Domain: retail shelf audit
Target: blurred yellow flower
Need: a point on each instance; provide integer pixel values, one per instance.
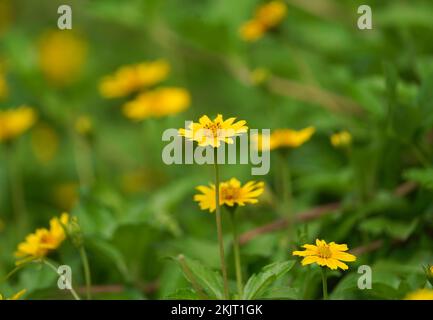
(16, 296)
(330, 255)
(62, 55)
(271, 14)
(14, 122)
(157, 103)
(212, 132)
(38, 244)
(252, 30)
(83, 125)
(6, 15)
(45, 143)
(128, 79)
(4, 90)
(341, 139)
(284, 138)
(266, 17)
(259, 75)
(231, 193)
(66, 195)
(421, 294)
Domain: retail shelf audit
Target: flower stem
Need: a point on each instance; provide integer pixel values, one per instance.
(324, 284)
(18, 202)
(87, 274)
(219, 226)
(237, 254)
(52, 267)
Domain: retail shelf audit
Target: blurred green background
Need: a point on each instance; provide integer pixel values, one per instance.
(315, 69)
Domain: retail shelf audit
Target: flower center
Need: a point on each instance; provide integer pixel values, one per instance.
(324, 252)
(212, 129)
(229, 193)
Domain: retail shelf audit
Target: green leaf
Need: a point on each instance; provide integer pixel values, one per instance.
(202, 276)
(396, 229)
(422, 176)
(258, 283)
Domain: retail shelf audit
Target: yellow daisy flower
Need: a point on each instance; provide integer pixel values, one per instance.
(231, 193)
(421, 294)
(271, 13)
(341, 139)
(284, 138)
(252, 30)
(14, 122)
(212, 132)
(157, 103)
(330, 255)
(131, 78)
(16, 296)
(62, 54)
(38, 244)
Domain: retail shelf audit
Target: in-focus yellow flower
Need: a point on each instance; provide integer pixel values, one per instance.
(157, 103)
(209, 132)
(341, 139)
(330, 255)
(45, 143)
(231, 193)
(83, 125)
(131, 78)
(38, 244)
(16, 296)
(284, 138)
(14, 122)
(421, 294)
(271, 14)
(62, 55)
(252, 30)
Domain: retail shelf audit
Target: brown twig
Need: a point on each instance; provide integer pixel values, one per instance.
(314, 213)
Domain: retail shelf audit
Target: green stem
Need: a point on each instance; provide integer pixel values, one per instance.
(219, 226)
(191, 277)
(87, 274)
(237, 254)
(18, 202)
(324, 284)
(52, 267)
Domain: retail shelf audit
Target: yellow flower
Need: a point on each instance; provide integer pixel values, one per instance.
(45, 143)
(83, 125)
(330, 255)
(16, 296)
(231, 193)
(38, 244)
(6, 15)
(341, 139)
(157, 103)
(271, 13)
(66, 195)
(128, 79)
(4, 90)
(14, 122)
(421, 294)
(212, 132)
(61, 56)
(285, 138)
(266, 17)
(252, 30)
